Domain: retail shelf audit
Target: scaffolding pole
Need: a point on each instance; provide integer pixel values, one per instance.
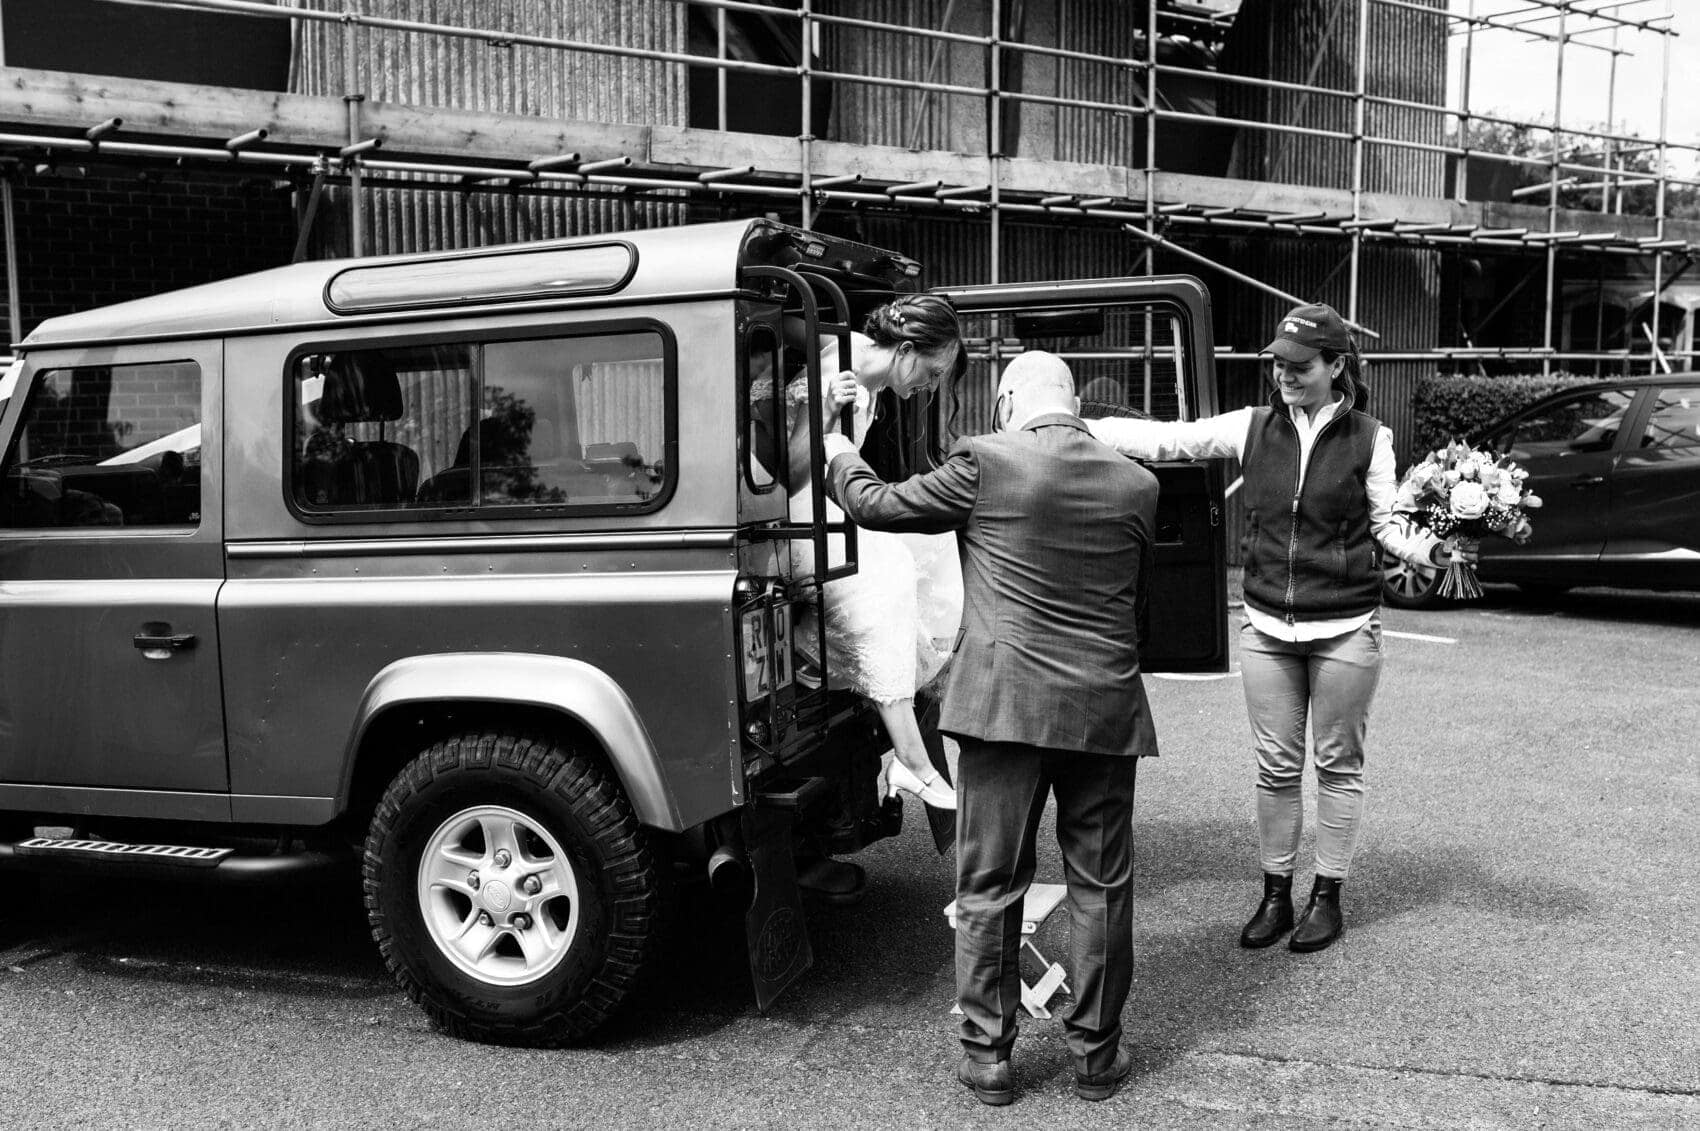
(810, 188)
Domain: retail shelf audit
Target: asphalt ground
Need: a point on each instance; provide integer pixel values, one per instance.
(1520, 950)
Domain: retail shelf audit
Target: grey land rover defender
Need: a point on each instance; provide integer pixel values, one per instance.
(471, 570)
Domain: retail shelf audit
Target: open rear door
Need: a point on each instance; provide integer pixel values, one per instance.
(1141, 346)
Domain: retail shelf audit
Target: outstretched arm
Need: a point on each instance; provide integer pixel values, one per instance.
(1213, 437)
(932, 503)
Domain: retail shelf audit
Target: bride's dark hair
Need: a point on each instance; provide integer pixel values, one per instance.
(927, 321)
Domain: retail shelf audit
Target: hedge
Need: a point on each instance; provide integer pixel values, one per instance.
(1452, 406)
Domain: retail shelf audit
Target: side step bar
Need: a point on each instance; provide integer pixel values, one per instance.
(43, 853)
(112, 850)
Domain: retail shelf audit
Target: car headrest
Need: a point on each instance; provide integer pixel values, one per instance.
(623, 450)
(360, 388)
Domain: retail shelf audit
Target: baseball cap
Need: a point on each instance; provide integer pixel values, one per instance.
(1307, 330)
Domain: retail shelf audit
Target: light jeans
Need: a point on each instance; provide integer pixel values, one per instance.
(1330, 682)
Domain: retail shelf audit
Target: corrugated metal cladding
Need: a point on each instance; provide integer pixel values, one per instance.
(1314, 42)
(889, 115)
(884, 115)
(472, 74)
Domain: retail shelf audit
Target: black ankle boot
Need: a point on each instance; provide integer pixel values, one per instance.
(1321, 922)
(1274, 915)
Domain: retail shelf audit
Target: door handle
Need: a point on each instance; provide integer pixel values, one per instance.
(1587, 481)
(158, 645)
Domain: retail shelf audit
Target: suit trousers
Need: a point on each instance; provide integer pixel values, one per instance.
(1001, 795)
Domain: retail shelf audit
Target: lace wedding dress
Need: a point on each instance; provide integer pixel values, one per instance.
(891, 626)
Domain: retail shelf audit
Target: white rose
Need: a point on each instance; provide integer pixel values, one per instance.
(1452, 477)
(1509, 493)
(1468, 500)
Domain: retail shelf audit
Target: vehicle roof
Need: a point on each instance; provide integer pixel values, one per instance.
(684, 259)
(1673, 378)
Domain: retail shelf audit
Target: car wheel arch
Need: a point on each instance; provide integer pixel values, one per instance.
(412, 701)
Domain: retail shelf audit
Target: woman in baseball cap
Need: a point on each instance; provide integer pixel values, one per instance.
(1318, 490)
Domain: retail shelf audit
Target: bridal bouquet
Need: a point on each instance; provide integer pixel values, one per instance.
(1462, 494)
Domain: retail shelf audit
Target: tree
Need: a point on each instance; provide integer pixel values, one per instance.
(1581, 146)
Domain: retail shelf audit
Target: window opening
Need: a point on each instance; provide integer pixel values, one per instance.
(108, 445)
(573, 422)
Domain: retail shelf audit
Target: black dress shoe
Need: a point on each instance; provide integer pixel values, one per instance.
(992, 1082)
(1321, 922)
(1274, 916)
(1103, 1085)
(834, 881)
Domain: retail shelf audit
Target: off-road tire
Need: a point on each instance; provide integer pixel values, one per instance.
(568, 795)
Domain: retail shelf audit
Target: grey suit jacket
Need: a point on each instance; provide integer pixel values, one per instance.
(1055, 532)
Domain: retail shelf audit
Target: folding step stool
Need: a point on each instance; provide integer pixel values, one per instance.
(1036, 907)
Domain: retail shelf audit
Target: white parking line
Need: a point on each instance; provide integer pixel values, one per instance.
(1419, 636)
(1194, 677)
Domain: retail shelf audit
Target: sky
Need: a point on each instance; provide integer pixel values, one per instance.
(1516, 76)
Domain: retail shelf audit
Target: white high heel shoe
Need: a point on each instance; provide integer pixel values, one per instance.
(933, 791)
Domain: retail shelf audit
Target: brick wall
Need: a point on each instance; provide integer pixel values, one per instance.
(86, 241)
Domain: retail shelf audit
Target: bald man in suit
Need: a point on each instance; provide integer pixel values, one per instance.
(1044, 696)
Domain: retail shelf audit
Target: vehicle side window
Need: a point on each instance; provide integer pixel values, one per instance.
(1587, 422)
(107, 445)
(573, 422)
(1674, 425)
(371, 425)
(765, 434)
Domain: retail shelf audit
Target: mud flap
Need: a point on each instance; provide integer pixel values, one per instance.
(774, 929)
(942, 821)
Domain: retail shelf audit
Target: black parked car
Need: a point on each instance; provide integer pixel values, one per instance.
(1617, 465)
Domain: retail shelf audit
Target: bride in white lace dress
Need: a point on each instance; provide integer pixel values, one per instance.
(890, 627)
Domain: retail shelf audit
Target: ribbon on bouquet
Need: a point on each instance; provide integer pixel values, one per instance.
(1459, 580)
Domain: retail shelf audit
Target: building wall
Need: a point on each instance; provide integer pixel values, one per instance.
(525, 80)
(885, 115)
(1314, 42)
(98, 238)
